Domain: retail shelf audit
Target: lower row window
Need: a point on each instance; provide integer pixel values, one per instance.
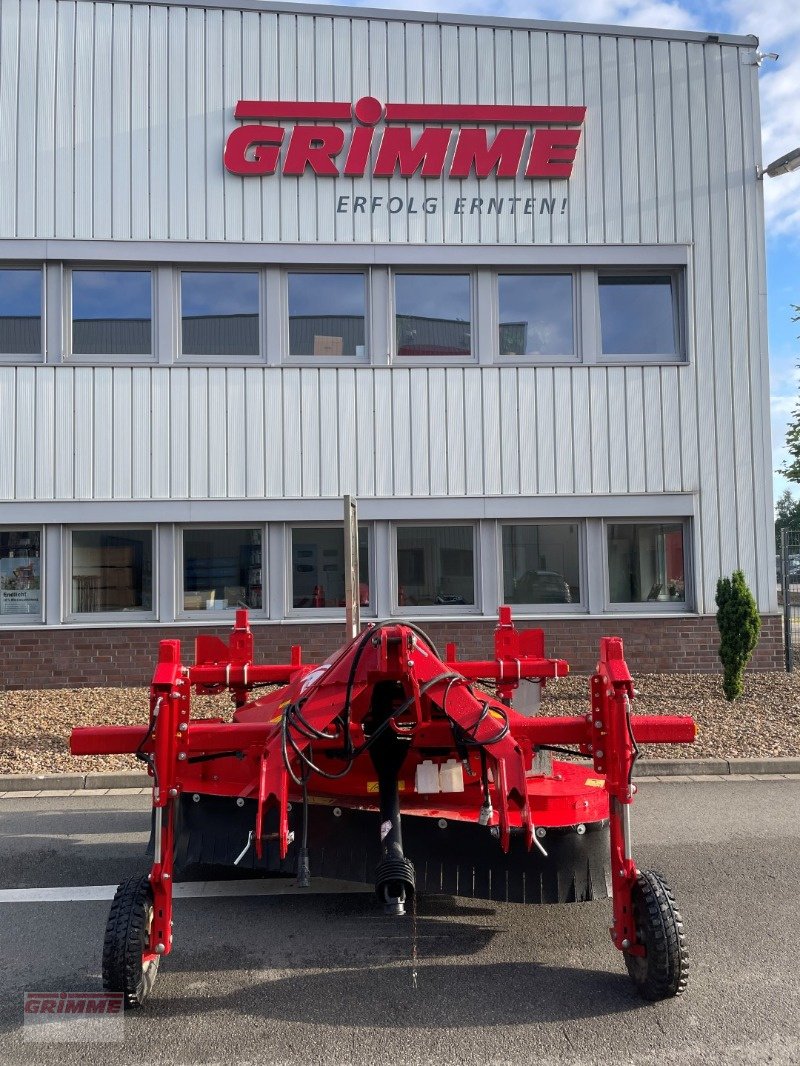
(646, 563)
(112, 571)
(20, 572)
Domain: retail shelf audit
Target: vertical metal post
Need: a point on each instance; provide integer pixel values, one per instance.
(787, 610)
(352, 597)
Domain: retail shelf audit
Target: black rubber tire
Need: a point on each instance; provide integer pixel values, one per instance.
(126, 939)
(663, 971)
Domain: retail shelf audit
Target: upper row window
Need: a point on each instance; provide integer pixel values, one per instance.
(221, 313)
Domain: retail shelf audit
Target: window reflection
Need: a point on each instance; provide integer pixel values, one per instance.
(326, 314)
(432, 314)
(111, 312)
(540, 563)
(637, 315)
(21, 572)
(20, 312)
(646, 563)
(435, 566)
(222, 569)
(318, 574)
(535, 314)
(219, 312)
(112, 570)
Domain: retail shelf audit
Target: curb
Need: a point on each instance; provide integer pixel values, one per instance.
(646, 768)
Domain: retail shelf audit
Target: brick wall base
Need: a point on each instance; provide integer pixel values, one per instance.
(64, 658)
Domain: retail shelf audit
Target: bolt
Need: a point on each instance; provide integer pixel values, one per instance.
(626, 943)
(165, 877)
(182, 727)
(634, 790)
(337, 812)
(160, 949)
(599, 753)
(288, 808)
(598, 724)
(410, 664)
(173, 792)
(442, 823)
(196, 797)
(240, 802)
(181, 756)
(580, 829)
(541, 832)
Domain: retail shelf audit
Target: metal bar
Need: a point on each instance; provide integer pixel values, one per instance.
(352, 598)
(787, 611)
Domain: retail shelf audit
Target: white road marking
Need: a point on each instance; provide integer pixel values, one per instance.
(188, 890)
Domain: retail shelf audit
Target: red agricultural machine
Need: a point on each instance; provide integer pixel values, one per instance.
(387, 764)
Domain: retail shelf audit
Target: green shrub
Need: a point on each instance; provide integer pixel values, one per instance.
(739, 625)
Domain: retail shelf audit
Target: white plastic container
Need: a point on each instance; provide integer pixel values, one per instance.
(451, 776)
(427, 779)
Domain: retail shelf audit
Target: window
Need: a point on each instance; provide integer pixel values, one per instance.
(222, 569)
(20, 572)
(433, 314)
(541, 563)
(112, 312)
(646, 563)
(219, 312)
(20, 312)
(326, 314)
(112, 570)
(435, 566)
(318, 577)
(638, 315)
(535, 314)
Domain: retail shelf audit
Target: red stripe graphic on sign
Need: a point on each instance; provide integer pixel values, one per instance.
(532, 116)
(291, 109)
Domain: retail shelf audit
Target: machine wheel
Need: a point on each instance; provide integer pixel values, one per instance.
(663, 971)
(127, 966)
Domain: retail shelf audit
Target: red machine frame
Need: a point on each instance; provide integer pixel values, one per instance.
(388, 691)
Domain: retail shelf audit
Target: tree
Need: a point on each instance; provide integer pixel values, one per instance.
(787, 516)
(791, 468)
(739, 625)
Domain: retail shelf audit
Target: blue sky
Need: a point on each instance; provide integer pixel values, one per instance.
(777, 24)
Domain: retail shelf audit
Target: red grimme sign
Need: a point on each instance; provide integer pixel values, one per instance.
(540, 141)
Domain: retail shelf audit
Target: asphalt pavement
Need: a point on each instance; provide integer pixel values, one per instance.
(322, 977)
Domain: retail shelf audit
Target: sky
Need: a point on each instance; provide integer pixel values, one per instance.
(777, 25)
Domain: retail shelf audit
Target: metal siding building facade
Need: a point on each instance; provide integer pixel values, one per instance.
(113, 118)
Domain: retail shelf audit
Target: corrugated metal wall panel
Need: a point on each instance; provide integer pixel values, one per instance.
(143, 459)
(103, 432)
(237, 432)
(44, 428)
(25, 444)
(8, 385)
(124, 450)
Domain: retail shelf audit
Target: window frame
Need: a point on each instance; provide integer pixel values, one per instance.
(441, 609)
(326, 614)
(221, 360)
(685, 606)
(575, 274)
(15, 358)
(581, 606)
(105, 358)
(678, 285)
(108, 617)
(323, 361)
(184, 614)
(17, 620)
(425, 361)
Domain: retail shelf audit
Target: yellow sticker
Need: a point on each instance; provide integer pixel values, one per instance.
(594, 782)
(372, 786)
(276, 719)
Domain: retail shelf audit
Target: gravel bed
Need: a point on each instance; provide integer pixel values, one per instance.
(35, 724)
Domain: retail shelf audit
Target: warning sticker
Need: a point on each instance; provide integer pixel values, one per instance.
(372, 786)
(594, 782)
